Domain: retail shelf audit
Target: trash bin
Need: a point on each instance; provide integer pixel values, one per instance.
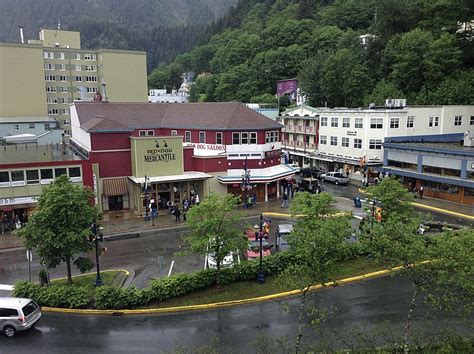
(357, 202)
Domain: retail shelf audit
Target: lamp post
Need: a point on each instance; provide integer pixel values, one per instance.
(147, 217)
(97, 234)
(261, 274)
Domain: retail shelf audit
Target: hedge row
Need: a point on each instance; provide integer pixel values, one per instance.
(109, 297)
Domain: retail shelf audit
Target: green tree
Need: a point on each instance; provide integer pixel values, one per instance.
(212, 228)
(59, 228)
(383, 90)
(318, 240)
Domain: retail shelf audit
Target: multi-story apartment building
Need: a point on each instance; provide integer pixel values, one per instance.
(300, 133)
(45, 76)
(352, 138)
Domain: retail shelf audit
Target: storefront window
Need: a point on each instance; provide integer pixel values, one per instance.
(32, 177)
(469, 192)
(74, 172)
(432, 169)
(18, 176)
(59, 172)
(4, 177)
(47, 174)
(470, 174)
(393, 163)
(451, 172)
(441, 187)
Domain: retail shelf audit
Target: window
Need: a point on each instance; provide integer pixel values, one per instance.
(346, 122)
(142, 133)
(47, 174)
(78, 68)
(334, 122)
(410, 121)
(359, 123)
(8, 313)
(202, 137)
(394, 123)
(52, 111)
(60, 55)
(62, 78)
(277, 136)
(48, 55)
(150, 133)
(74, 172)
(51, 89)
(267, 137)
(90, 57)
(4, 178)
(50, 77)
(244, 138)
(376, 123)
(32, 126)
(67, 132)
(64, 100)
(457, 120)
(77, 56)
(16, 127)
(64, 89)
(357, 143)
(375, 144)
(32, 177)
(472, 121)
(308, 138)
(67, 122)
(324, 121)
(49, 66)
(235, 138)
(434, 122)
(59, 172)
(253, 137)
(187, 136)
(345, 142)
(18, 176)
(272, 136)
(91, 68)
(174, 132)
(65, 111)
(91, 78)
(218, 138)
(323, 139)
(334, 140)
(52, 100)
(61, 67)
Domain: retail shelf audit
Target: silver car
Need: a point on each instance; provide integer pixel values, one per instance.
(283, 231)
(335, 177)
(17, 314)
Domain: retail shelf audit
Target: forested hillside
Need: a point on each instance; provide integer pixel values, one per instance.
(422, 50)
(164, 28)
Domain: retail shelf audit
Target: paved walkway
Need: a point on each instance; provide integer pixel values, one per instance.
(129, 222)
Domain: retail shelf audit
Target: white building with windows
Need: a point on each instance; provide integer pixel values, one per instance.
(350, 138)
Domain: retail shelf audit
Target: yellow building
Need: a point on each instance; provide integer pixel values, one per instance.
(45, 76)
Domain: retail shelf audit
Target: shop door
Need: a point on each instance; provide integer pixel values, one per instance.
(115, 203)
(163, 198)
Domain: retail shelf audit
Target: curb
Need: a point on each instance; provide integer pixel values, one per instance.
(168, 310)
(439, 210)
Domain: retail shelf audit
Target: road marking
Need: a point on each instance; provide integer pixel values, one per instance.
(171, 268)
(423, 206)
(359, 217)
(6, 287)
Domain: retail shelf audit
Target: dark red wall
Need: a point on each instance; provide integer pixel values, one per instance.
(110, 141)
(112, 164)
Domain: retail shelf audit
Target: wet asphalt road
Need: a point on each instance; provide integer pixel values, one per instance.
(362, 306)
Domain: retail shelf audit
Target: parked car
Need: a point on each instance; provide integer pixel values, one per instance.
(336, 177)
(253, 250)
(311, 172)
(227, 262)
(17, 314)
(283, 230)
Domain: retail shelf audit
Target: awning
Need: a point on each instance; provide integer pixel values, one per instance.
(260, 175)
(186, 176)
(115, 186)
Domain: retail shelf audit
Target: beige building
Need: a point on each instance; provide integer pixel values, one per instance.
(45, 76)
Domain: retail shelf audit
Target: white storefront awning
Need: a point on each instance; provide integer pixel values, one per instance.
(187, 176)
(268, 174)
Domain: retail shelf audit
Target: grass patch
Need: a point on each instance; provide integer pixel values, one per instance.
(245, 290)
(88, 280)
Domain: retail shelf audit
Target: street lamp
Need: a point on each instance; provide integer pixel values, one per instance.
(261, 274)
(96, 231)
(147, 217)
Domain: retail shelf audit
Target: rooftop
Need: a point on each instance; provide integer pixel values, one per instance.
(31, 153)
(106, 116)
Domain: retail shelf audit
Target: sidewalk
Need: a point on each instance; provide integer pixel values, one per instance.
(123, 222)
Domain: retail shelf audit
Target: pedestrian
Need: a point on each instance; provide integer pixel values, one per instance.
(185, 211)
(421, 192)
(197, 199)
(169, 204)
(186, 204)
(285, 201)
(177, 214)
(249, 202)
(154, 208)
(293, 189)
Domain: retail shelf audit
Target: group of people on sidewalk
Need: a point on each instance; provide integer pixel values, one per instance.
(8, 224)
(176, 212)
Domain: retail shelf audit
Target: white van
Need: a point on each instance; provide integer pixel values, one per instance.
(283, 230)
(17, 314)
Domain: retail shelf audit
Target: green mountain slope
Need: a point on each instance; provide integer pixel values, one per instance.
(415, 49)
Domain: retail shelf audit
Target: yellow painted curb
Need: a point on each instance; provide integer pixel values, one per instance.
(423, 206)
(287, 215)
(217, 304)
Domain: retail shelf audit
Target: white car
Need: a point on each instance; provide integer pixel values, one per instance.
(17, 314)
(228, 261)
(335, 177)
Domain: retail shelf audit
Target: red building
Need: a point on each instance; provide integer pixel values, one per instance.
(182, 150)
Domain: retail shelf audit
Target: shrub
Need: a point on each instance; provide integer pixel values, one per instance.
(43, 277)
(54, 295)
